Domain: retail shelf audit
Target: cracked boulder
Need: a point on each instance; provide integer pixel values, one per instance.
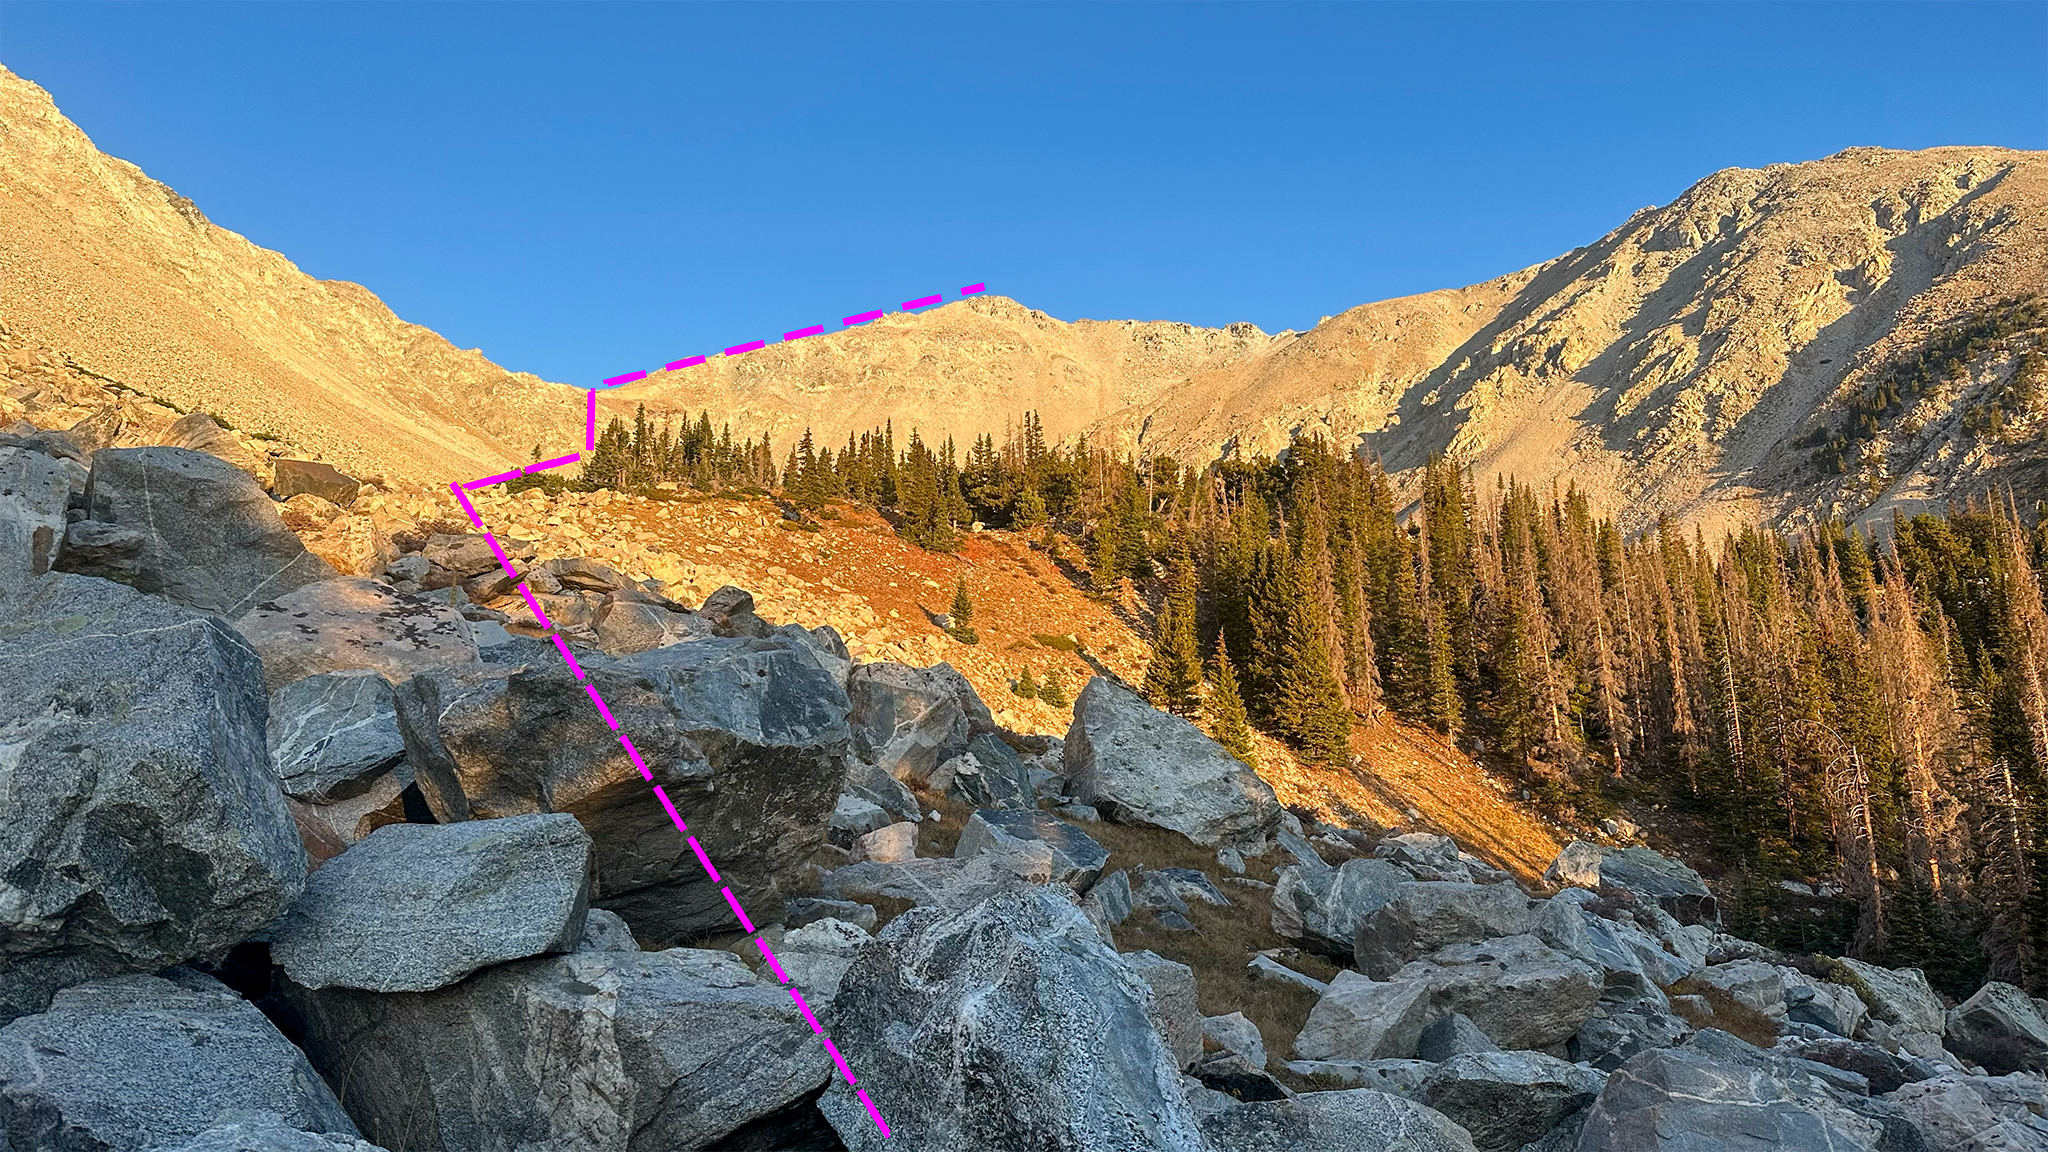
(1073, 857)
(1508, 1099)
(908, 721)
(34, 493)
(1138, 765)
(1650, 877)
(1339, 1121)
(140, 823)
(354, 622)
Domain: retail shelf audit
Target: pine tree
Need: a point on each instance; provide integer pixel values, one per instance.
(1053, 689)
(1226, 710)
(1173, 678)
(1311, 711)
(960, 616)
(1026, 685)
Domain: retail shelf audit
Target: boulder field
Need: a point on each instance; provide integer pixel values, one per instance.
(291, 860)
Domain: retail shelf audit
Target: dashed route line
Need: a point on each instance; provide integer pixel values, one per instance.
(461, 491)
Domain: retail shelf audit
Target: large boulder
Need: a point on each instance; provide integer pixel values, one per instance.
(1957, 1113)
(746, 738)
(208, 535)
(140, 823)
(416, 907)
(1901, 997)
(1349, 1120)
(989, 774)
(1649, 876)
(256, 1130)
(199, 432)
(1423, 916)
(34, 492)
(331, 736)
(1884, 1071)
(1046, 1040)
(1175, 1009)
(2001, 1028)
(1075, 858)
(1508, 1099)
(939, 883)
(816, 956)
(1138, 765)
(1822, 1003)
(911, 720)
(1361, 1019)
(604, 1051)
(291, 477)
(138, 1062)
(1607, 1042)
(1750, 983)
(1321, 906)
(354, 623)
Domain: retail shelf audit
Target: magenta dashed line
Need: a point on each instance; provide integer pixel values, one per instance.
(633, 754)
(502, 561)
(738, 911)
(761, 942)
(557, 462)
(863, 1094)
(705, 861)
(800, 333)
(691, 362)
(464, 501)
(970, 290)
(487, 481)
(568, 656)
(601, 709)
(628, 378)
(838, 1059)
(806, 1010)
(920, 302)
(535, 605)
(749, 346)
(863, 318)
(682, 827)
(590, 424)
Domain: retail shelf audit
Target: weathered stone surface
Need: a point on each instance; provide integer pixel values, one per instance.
(200, 432)
(624, 626)
(327, 830)
(211, 537)
(416, 907)
(1174, 1009)
(892, 844)
(352, 545)
(606, 932)
(34, 492)
(2001, 1028)
(1751, 983)
(1957, 1113)
(1235, 1033)
(1264, 967)
(598, 1051)
(817, 955)
(332, 735)
(1234, 1075)
(1342, 1121)
(1883, 1071)
(1649, 875)
(140, 1062)
(291, 477)
(1361, 1019)
(853, 818)
(1425, 856)
(1452, 1034)
(354, 623)
(746, 738)
(909, 721)
(1322, 908)
(1139, 765)
(1421, 917)
(256, 1130)
(1075, 858)
(938, 883)
(877, 787)
(803, 910)
(1835, 1007)
(1901, 997)
(1049, 1044)
(1520, 993)
(140, 822)
(1112, 895)
(1170, 887)
(1690, 1100)
(1606, 1042)
(1508, 1099)
(989, 774)
(731, 612)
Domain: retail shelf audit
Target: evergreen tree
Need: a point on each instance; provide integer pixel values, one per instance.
(1311, 711)
(960, 616)
(1026, 686)
(1053, 689)
(1173, 677)
(1227, 718)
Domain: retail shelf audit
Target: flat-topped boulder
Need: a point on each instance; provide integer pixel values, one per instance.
(1138, 765)
(354, 622)
(1074, 857)
(1649, 876)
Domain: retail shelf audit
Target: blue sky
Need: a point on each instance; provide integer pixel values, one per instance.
(583, 190)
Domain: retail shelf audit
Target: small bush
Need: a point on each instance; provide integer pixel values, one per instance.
(1057, 643)
(1724, 1012)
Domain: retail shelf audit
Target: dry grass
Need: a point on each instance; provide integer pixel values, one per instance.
(1726, 1013)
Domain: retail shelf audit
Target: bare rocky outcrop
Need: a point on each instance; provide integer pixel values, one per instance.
(354, 623)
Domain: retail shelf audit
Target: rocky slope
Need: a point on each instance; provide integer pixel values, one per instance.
(299, 859)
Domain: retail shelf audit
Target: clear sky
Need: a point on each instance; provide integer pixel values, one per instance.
(582, 190)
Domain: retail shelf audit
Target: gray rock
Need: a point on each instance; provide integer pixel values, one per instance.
(1264, 967)
(1173, 1010)
(1075, 859)
(140, 823)
(746, 738)
(1425, 856)
(1607, 1042)
(605, 1051)
(202, 433)
(416, 907)
(1234, 1075)
(891, 845)
(624, 626)
(815, 957)
(292, 477)
(987, 775)
(1341, 1121)
(802, 910)
(1234, 1033)
(1080, 813)
(354, 622)
(1322, 908)
(581, 575)
(1421, 917)
(257, 1130)
(1715, 1098)
(1171, 887)
(1901, 997)
(1361, 1019)
(1400, 1077)
(1751, 983)
(605, 932)
(1203, 1100)
(2001, 1028)
(1050, 1044)
(211, 537)
(1508, 1099)
(940, 883)
(731, 612)
(853, 818)
(332, 735)
(34, 493)
(455, 557)
(908, 721)
(1883, 1071)
(1112, 895)
(1834, 1007)
(1649, 876)
(1138, 765)
(1452, 1034)
(146, 1061)
(1956, 1113)
(877, 787)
